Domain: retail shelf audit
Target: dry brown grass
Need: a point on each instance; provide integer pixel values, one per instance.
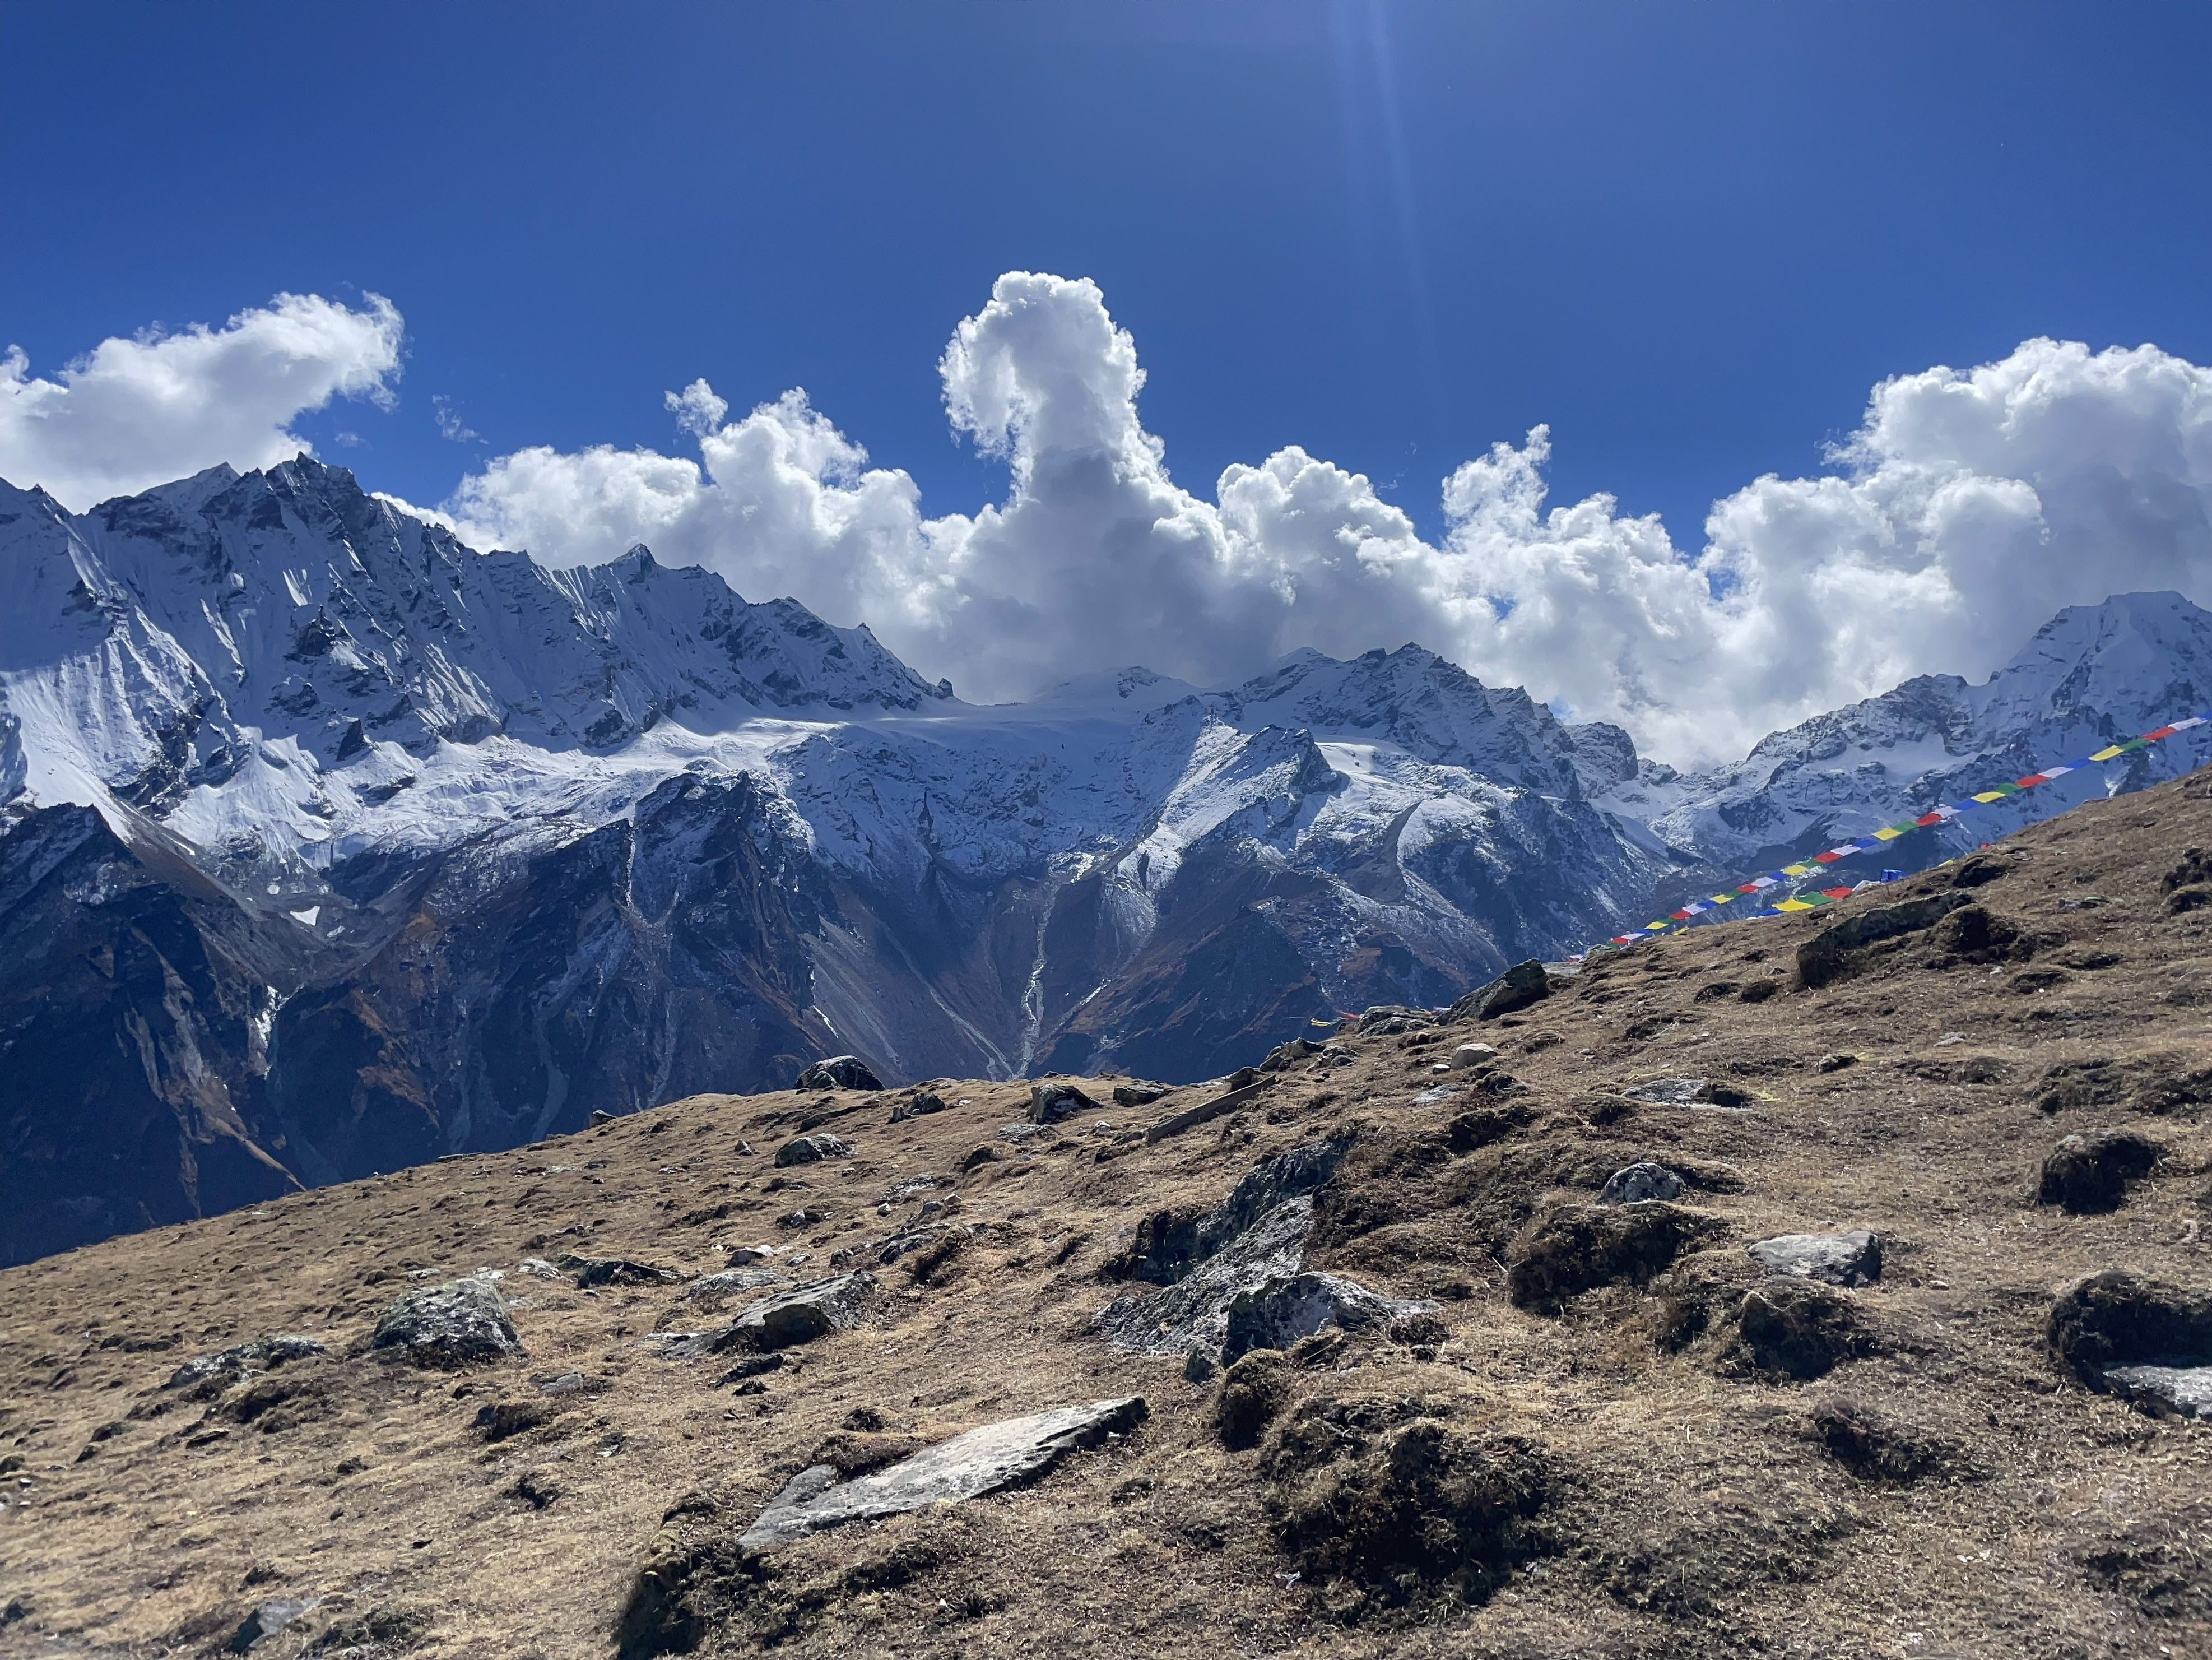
(1950, 1494)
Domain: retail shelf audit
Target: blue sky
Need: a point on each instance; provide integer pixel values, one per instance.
(1692, 240)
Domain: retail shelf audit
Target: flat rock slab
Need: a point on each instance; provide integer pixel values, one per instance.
(988, 1460)
(812, 1149)
(2184, 1391)
(1639, 1182)
(1840, 1259)
(730, 1282)
(454, 1324)
(1276, 1313)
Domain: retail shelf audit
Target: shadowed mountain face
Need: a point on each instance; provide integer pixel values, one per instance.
(412, 850)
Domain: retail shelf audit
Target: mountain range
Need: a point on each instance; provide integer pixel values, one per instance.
(332, 845)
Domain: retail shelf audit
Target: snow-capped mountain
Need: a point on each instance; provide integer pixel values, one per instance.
(2092, 675)
(472, 847)
(332, 844)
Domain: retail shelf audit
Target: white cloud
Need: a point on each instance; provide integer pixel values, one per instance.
(451, 427)
(139, 412)
(1967, 509)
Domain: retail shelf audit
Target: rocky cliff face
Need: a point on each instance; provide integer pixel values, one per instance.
(447, 850)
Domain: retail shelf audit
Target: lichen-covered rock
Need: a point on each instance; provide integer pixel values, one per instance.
(839, 1072)
(1636, 1183)
(1840, 1259)
(802, 1314)
(455, 1324)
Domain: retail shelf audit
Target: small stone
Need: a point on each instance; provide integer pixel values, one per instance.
(839, 1072)
(1136, 1095)
(812, 1149)
(1285, 1055)
(1198, 1366)
(267, 1621)
(1052, 1103)
(1840, 1259)
(1836, 1061)
(1639, 1182)
(600, 1115)
(1472, 1054)
(2091, 1172)
(454, 1324)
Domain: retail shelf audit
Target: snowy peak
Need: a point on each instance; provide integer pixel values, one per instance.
(155, 630)
(2137, 659)
(1415, 700)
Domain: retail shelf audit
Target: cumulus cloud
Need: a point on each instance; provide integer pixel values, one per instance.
(139, 412)
(1967, 508)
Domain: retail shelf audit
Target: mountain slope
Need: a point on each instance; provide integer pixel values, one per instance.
(1675, 1453)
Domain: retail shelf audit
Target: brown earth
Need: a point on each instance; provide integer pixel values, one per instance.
(1621, 1478)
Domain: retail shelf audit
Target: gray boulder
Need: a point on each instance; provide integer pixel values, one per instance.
(1686, 1092)
(1392, 1020)
(992, 1459)
(263, 1354)
(1518, 987)
(1276, 1313)
(1136, 1095)
(1053, 1103)
(1639, 1182)
(455, 1324)
(839, 1072)
(812, 1149)
(1840, 1259)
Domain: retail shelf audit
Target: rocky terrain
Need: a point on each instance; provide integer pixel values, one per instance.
(328, 845)
(1828, 1285)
